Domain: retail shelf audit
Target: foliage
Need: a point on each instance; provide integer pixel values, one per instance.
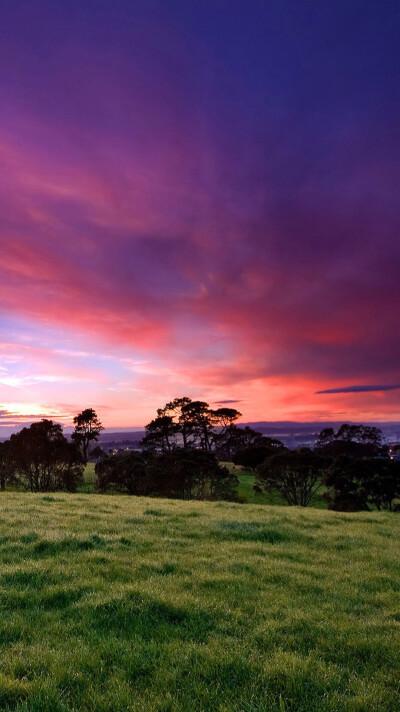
(5, 465)
(256, 454)
(358, 483)
(235, 438)
(125, 472)
(174, 410)
(188, 424)
(87, 430)
(160, 433)
(295, 474)
(191, 474)
(201, 422)
(117, 604)
(42, 460)
(351, 440)
(180, 473)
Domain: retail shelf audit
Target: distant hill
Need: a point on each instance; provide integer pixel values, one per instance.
(289, 431)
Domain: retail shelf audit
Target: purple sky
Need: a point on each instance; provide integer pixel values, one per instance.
(199, 198)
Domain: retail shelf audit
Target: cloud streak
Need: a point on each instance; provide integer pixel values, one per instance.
(360, 389)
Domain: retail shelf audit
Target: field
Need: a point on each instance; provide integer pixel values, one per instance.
(111, 603)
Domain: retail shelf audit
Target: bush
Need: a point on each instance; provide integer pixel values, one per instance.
(41, 459)
(255, 455)
(125, 472)
(357, 483)
(191, 474)
(182, 474)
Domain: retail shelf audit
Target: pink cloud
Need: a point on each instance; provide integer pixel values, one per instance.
(191, 232)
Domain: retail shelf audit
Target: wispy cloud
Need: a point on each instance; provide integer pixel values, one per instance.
(229, 400)
(359, 389)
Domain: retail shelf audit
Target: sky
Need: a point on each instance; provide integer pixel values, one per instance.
(199, 198)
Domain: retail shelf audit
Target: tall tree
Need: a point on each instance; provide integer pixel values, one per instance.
(225, 417)
(160, 433)
(236, 439)
(248, 437)
(174, 410)
(200, 422)
(87, 429)
(224, 420)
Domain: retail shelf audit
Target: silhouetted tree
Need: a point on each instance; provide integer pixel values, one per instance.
(381, 479)
(236, 438)
(125, 472)
(223, 438)
(295, 474)
(192, 424)
(351, 440)
(5, 466)
(41, 459)
(191, 474)
(87, 429)
(200, 421)
(345, 493)
(160, 434)
(356, 483)
(224, 418)
(253, 456)
(249, 437)
(326, 437)
(174, 410)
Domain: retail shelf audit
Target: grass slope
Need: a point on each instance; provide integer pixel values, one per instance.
(115, 603)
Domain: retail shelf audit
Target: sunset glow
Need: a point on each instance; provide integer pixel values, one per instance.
(202, 203)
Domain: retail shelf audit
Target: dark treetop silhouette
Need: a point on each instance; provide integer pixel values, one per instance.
(87, 429)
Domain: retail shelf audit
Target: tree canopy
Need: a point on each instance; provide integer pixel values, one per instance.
(352, 440)
(87, 430)
(357, 483)
(178, 473)
(184, 423)
(41, 459)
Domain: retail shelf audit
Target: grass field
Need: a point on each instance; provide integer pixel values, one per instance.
(111, 603)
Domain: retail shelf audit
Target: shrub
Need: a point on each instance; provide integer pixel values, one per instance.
(191, 474)
(125, 472)
(41, 459)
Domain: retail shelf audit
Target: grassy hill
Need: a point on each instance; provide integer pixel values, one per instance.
(111, 603)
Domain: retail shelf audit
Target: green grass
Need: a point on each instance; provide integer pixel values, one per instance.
(111, 603)
(89, 478)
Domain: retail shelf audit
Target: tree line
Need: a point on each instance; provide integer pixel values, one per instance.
(184, 445)
(181, 455)
(351, 467)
